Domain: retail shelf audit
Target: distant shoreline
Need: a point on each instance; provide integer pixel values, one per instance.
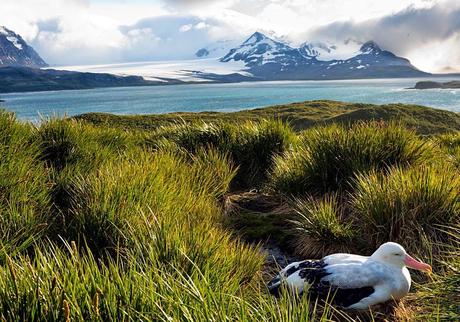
(437, 85)
(103, 80)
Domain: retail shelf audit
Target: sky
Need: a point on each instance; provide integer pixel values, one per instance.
(74, 32)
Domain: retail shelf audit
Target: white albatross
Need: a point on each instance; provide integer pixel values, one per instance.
(353, 281)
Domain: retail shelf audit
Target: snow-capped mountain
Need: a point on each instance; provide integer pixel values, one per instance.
(259, 50)
(269, 59)
(14, 51)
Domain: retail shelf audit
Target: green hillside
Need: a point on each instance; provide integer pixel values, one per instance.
(299, 115)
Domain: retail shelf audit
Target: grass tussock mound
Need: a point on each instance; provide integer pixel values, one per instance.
(407, 205)
(120, 193)
(251, 146)
(24, 199)
(329, 158)
(320, 226)
(450, 143)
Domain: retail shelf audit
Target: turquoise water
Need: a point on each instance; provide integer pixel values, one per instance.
(222, 97)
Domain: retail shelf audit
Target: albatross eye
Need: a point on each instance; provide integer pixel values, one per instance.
(397, 254)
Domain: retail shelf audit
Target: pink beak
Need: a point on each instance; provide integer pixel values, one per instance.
(415, 264)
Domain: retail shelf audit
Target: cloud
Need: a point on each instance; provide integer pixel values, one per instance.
(81, 39)
(415, 32)
(94, 31)
(172, 37)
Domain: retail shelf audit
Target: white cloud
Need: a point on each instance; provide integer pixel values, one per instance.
(172, 37)
(427, 35)
(95, 31)
(185, 28)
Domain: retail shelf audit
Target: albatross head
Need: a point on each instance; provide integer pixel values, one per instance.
(395, 255)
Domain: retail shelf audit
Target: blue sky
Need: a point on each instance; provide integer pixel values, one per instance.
(70, 32)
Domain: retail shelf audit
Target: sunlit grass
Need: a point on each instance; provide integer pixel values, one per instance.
(321, 227)
(250, 146)
(407, 206)
(330, 157)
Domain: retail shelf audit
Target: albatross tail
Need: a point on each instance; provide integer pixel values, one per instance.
(274, 286)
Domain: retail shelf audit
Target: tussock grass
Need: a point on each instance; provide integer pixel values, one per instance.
(407, 205)
(440, 299)
(320, 226)
(69, 143)
(329, 158)
(106, 202)
(24, 199)
(60, 285)
(61, 143)
(251, 146)
(450, 143)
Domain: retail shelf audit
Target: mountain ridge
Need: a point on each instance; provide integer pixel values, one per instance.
(14, 51)
(270, 59)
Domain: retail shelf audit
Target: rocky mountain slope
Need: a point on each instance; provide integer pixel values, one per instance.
(14, 51)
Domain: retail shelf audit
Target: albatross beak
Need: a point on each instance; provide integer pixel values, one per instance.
(415, 264)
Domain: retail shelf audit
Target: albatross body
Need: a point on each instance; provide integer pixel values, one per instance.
(353, 281)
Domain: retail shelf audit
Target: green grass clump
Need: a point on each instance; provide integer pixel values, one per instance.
(439, 300)
(62, 285)
(321, 226)
(251, 146)
(71, 149)
(113, 198)
(68, 143)
(330, 157)
(61, 143)
(450, 143)
(407, 205)
(255, 149)
(24, 199)
(323, 221)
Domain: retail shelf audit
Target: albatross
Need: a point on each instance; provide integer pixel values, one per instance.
(352, 281)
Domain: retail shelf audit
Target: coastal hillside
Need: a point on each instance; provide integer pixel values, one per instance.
(186, 217)
(24, 79)
(300, 116)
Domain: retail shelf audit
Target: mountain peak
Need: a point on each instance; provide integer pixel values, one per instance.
(14, 51)
(258, 49)
(255, 38)
(370, 47)
(4, 30)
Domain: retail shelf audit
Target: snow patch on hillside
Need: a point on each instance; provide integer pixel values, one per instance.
(15, 42)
